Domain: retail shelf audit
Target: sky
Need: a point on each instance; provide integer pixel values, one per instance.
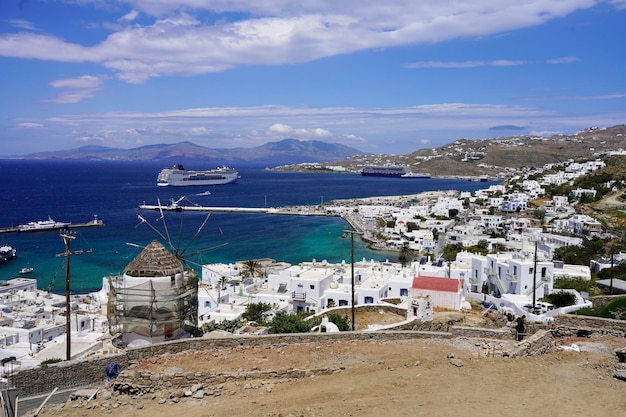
(388, 77)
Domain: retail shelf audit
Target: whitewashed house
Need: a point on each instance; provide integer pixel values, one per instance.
(443, 293)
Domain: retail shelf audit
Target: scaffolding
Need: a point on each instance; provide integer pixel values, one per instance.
(155, 300)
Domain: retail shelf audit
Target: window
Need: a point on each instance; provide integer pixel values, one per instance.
(543, 272)
(312, 286)
(207, 304)
(369, 300)
(404, 292)
(343, 302)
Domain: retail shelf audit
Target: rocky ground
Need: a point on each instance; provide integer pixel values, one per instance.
(430, 377)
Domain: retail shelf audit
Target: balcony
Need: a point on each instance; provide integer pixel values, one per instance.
(298, 296)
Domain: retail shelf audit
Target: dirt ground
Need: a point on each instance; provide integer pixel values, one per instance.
(432, 377)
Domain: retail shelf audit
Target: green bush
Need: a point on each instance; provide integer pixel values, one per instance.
(51, 361)
(561, 299)
(289, 323)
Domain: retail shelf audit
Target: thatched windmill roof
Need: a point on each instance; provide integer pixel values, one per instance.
(154, 261)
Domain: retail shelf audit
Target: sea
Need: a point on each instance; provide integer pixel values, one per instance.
(77, 191)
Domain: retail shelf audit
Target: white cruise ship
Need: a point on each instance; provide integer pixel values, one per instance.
(178, 176)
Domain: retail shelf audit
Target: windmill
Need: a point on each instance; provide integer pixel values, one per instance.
(157, 297)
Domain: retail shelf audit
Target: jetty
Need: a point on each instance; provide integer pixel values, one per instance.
(302, 211)
(174, 205)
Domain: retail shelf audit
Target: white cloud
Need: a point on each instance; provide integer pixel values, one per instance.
(178, 42)
(563, 60)
(22, 24)
(279, 129)
(30, 125)
(129, 17)
(76, 89)
(464, 64)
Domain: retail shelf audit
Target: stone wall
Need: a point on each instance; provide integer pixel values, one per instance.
(141, 383)
(537, 344)
(81, 373)
(603, 300)
(571, 324)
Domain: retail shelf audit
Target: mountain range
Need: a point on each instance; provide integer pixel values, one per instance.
(287, 151)
(463, 157)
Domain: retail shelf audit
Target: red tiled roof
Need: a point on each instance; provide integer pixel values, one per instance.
(437, 284)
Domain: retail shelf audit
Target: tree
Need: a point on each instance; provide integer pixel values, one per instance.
(251, 268)
(449, 251)
(405, 255)
(583, 254)
(256, 312)
(289, 323)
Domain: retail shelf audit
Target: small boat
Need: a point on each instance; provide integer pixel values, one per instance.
(204, 193)
(416, 175)
(6, 253)
(26, 270)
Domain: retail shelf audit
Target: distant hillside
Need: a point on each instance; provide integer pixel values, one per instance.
(495, 156)
(287, 151)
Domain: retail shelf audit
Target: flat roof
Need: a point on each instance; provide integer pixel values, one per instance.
(618, 284)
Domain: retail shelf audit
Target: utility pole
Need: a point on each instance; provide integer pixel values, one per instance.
(612, 261)
(352, 274)
(67, 239)
(535, 277)
(352, 232)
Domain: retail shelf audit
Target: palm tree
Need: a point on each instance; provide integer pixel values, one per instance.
(406, 255)
(251, 268)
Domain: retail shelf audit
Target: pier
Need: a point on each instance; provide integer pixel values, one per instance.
(301, 211)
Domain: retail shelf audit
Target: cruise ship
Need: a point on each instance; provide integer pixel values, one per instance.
(384, 171)
(177, 176)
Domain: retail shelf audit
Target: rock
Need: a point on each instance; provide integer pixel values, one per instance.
(457, 362)
(621, 374)
(198, 395)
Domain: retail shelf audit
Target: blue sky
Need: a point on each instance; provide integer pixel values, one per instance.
(387, 76)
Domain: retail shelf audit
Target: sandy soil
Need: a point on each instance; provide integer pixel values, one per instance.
(408, 378)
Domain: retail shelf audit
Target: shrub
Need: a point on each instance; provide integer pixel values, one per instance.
(51, 361)
(561, 299)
